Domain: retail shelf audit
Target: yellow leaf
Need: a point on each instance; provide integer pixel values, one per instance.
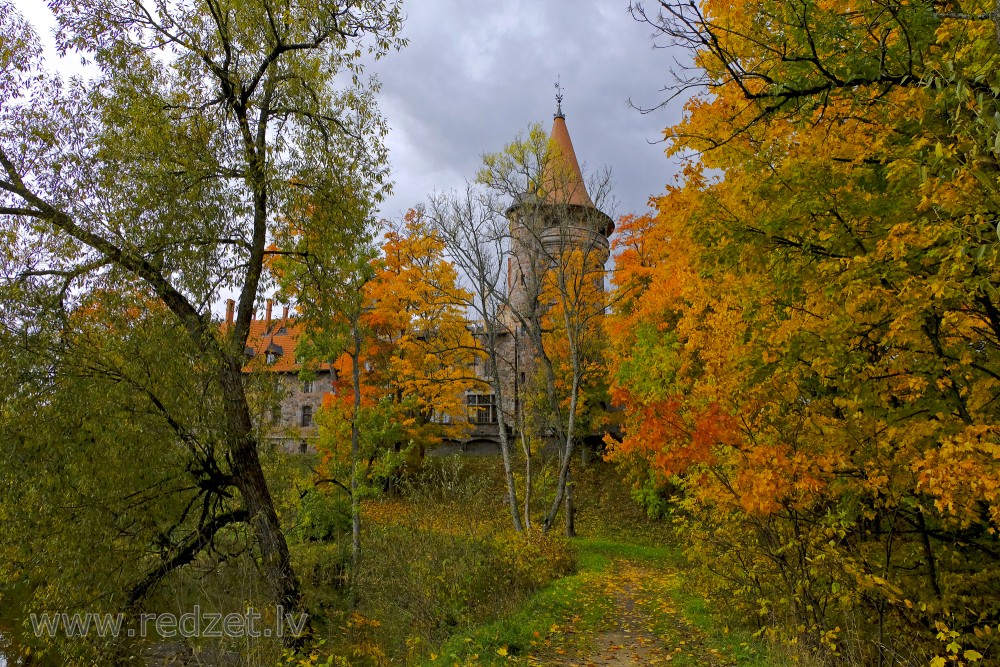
(973, 655)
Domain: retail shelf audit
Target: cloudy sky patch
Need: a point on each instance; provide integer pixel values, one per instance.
(477, 73)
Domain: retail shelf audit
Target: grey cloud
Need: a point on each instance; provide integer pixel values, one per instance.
(475, 74)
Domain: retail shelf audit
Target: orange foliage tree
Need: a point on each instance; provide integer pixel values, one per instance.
(391, 327)
(808, 342)
(421, 348)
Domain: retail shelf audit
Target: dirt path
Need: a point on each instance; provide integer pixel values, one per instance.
(640, 625)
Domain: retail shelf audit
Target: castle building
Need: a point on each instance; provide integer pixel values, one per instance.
(556, 220)
(286, 413)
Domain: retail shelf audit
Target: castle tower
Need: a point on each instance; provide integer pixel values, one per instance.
(553, 221)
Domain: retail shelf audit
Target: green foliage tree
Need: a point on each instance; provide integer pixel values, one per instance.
(163, 178)
(325, 259)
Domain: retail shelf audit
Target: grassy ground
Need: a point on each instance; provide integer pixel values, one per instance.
(630, 601)
(627, 604)
(446, 582)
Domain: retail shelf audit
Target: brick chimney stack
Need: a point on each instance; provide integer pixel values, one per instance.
(230, 308)
(284, 313)
(267, 314)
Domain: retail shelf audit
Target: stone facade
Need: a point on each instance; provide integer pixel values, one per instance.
(286, 408)
(292, 425)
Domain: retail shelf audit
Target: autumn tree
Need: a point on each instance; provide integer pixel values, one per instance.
(422, 348)
(165, 176)
(101, 516)
(812, 350)
(388, 322)
(475, 244)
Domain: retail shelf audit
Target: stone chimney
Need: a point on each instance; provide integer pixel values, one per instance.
(230, 308)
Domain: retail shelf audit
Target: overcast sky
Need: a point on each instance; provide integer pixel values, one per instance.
(476, 73)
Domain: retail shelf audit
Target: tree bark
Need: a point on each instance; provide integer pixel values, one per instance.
(248, 477)
(526, 448)
(566, 453)
(508, 466)
(355, 453)
(570, 510)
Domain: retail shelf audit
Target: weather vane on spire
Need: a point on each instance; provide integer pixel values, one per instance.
(559, 98)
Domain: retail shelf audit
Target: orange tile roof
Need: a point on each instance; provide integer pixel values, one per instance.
(285, 333)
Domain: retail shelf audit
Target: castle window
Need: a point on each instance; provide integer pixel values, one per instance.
(307, 416)
(273, 353)
(276, 414)
(482, 409)
(303, 447)
(307, 387)
(440, 417)
(522, 377)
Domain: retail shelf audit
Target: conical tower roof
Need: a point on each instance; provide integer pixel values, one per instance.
(562, 180)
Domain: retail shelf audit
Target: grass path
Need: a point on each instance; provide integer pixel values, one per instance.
(635, 637)
(627, 605)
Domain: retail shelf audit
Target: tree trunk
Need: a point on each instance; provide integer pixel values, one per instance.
(570, 509)
(565, 456)
(355, 452)
(526, 447)
(508, 467)
(561, 485)
(248, 476)
(249, 479)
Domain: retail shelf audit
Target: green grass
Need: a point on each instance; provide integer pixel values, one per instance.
(705, 623)
(610, 549)
(571, 612)
(533, 623)
(707, 618)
